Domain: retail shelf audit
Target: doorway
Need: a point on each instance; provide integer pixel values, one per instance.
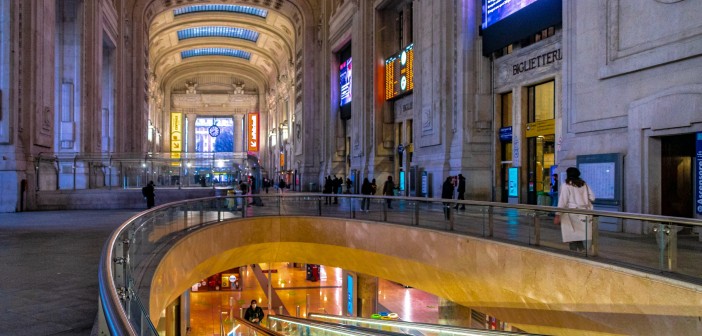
(677, 154)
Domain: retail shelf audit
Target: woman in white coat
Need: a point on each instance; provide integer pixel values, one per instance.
(575, 194)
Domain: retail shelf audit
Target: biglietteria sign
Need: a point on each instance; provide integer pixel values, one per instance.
(253, 132)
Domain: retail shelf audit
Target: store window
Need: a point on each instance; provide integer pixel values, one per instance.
(540, 133)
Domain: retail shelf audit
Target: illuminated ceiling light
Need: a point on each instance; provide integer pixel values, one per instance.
(221, 8)
(216, 52)
(218, 31)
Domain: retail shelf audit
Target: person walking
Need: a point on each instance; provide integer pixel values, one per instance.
(576, 230)
(461, 190)
(389, 190)
(254, 313)
(366, 189)
(374, 186)
(447, 193)
(149, 194)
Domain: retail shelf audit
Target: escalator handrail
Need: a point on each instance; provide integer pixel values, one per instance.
(336, 327)
(257, 327)
(419, 325)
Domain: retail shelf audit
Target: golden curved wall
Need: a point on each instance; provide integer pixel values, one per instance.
(537, 291)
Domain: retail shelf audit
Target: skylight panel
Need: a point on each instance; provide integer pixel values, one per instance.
(215, 52)
(221, 8)
(216, 31)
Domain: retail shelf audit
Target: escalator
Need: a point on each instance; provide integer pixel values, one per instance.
(288, 325)
(403, 327)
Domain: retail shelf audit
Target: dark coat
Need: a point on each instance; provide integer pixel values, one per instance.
(461, 184)
(389, 188)
(252, 313)
(367, 188)
(447, 189)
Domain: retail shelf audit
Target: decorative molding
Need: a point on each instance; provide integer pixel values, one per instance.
(646, 51)
(200, 101)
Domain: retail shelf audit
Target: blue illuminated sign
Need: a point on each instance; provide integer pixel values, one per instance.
(513, 180)
(698, 175)
(345, 82)
(496, 10)
(349, 294)
(506, 133)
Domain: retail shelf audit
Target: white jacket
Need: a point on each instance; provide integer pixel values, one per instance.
(575, 227)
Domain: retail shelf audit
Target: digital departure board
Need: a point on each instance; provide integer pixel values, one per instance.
(399, 73)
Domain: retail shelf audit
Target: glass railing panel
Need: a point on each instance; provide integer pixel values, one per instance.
(429, 214)
(515, 225)
(470, 219)
(687, 247)
(299, 206)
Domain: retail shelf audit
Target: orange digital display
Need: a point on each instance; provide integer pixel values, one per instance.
(253, 132)
(399, 73)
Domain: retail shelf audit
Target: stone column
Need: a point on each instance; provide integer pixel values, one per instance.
(191, 132)
(239, 133)
(453, 314)
(367, 297)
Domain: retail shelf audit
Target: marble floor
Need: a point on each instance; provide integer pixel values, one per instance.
(290, 289)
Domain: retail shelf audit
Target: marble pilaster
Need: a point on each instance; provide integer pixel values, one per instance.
(190, 135)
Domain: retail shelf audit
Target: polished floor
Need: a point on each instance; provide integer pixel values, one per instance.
(291, 289)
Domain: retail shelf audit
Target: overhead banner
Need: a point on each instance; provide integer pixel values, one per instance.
(176, 132)
(253, 132)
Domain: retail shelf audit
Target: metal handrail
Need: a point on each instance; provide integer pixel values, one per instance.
(257, 327)
(440, 328)
(333, 327)
(116, 316)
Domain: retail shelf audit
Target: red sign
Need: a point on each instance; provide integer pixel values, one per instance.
(253, 132)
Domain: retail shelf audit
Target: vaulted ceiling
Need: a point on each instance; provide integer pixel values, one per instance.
(252, 44)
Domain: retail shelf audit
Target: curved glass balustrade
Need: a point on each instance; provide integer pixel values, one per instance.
(133, 248)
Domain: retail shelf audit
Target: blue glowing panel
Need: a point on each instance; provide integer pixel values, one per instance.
(349, 295)
(345, 82)
(215, 52)
(496, 10)
(221, 8)
(240, 33)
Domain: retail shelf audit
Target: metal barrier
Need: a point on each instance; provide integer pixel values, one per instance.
(132, 246)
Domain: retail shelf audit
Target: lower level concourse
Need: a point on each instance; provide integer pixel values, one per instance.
(297, 289)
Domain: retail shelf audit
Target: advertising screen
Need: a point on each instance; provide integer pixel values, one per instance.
(345, 82)
(509, 21)
(399, 73)
(496, 10)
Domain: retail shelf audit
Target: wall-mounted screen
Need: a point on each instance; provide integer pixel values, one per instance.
(496, 10)
(399, 73)
(345, 82)
(509, 21)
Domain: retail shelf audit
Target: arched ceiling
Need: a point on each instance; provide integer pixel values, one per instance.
(264, 51)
